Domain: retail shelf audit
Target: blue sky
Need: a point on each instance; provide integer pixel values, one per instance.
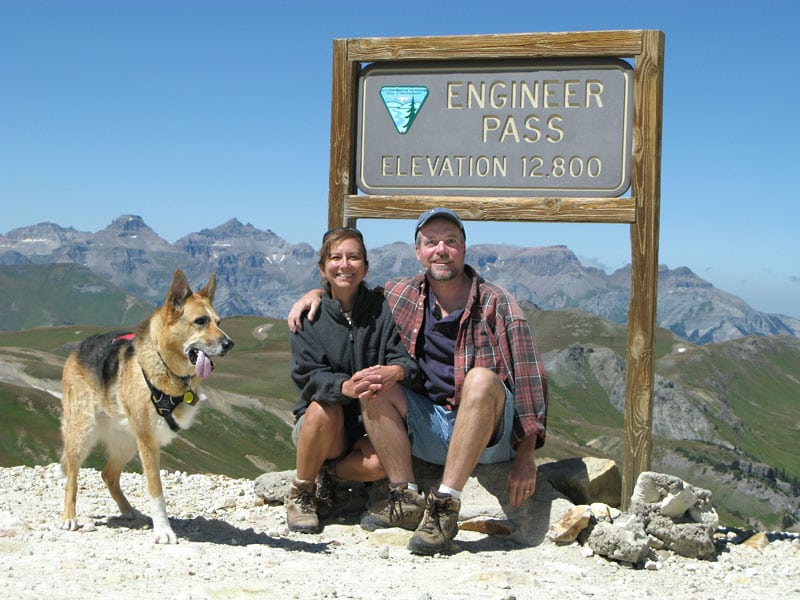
(190, 113)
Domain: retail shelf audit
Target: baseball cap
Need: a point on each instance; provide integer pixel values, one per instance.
(439, 212)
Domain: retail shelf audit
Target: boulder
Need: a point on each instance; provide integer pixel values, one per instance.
(585, 480)
(570, 525)
(624, 541)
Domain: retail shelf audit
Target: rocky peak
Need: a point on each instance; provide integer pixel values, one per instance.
(130, 231)
(234, 237)
(681, 277)
(41, 239)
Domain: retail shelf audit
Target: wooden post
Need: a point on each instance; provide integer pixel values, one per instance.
(341, 179)
(646, 188)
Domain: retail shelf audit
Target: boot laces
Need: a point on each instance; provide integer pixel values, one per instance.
(325, 486)
(396, 504)
(436, 509)
(305, 500)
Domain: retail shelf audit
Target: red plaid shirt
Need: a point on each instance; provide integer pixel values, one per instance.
(493, 333)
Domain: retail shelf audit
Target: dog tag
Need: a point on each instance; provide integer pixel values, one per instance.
(189, 397)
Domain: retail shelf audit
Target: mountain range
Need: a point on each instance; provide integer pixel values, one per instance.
(726, 381)
(259, 273)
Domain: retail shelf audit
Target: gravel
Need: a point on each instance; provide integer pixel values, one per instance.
(231, 545)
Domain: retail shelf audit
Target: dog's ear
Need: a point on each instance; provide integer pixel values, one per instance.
(179, 291)
(209, 288)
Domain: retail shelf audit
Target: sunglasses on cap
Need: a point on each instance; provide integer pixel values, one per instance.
(352, 230)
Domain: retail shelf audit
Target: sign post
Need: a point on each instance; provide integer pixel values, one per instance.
(520, 127)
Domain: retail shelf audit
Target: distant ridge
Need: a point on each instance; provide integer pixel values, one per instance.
(259, 273)
(49, 295)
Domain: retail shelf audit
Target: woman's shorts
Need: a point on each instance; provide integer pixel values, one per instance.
(353, 429)
(431, 425)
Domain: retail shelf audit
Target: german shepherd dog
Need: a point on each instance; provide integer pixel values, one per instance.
(135, 391)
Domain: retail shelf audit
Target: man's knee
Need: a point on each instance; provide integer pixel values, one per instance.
(481, 384)
(389, 401)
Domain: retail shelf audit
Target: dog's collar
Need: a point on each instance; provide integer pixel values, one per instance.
(165, 404)
(124, 337)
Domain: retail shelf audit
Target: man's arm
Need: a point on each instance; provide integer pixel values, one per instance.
(530, 399)
(530, 381)
(308, 302)
(521, 482)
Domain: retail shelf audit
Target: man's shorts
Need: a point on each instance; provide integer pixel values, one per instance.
(430, 427)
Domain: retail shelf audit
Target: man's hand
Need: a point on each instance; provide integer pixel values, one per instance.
(368, 383)
(310, 301)
(521, 482)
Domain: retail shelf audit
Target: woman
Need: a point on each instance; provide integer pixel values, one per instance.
(351, 351)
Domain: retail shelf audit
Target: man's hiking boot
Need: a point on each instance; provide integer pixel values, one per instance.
(404, 509)
(301, 507)
(438, 526)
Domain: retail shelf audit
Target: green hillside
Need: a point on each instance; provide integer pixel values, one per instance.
(757, 379)
(745, 390)
(63, 293)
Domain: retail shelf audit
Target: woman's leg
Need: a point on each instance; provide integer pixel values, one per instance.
(322, 437)
(362, 464)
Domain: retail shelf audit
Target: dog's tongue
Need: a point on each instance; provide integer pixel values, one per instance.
(203, 365)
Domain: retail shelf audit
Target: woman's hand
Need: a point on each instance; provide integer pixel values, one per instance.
(368, 383)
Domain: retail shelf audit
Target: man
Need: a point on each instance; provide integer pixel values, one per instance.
(485, 390)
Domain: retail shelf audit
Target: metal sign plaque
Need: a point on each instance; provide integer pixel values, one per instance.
(532, 128)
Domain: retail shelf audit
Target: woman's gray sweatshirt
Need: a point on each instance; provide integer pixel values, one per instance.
(327, 351)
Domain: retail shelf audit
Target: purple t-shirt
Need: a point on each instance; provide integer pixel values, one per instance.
(437, 346)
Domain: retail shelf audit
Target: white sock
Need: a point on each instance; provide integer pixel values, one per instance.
(413, 487)
(443, 489)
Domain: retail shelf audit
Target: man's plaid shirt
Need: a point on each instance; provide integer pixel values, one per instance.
(493, 333)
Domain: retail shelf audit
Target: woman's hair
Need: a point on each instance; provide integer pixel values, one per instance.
(333, 237)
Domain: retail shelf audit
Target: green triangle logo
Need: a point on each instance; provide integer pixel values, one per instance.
(403, 103)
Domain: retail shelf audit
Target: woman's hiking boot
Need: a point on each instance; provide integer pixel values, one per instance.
(327, 483)
(301, 507)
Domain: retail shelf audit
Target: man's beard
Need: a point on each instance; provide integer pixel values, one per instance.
(448, 275)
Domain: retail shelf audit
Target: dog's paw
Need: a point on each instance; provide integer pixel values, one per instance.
(70, 525)
(164, 536)
(162, 530)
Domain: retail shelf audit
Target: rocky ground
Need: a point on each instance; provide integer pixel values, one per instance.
(231, 545)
